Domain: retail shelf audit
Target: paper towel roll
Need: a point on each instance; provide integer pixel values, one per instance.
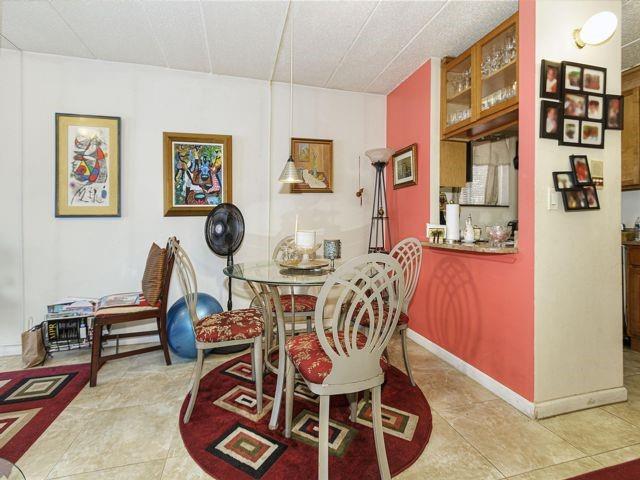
(453, 221)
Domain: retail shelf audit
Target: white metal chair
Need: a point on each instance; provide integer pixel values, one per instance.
(344, 360)
(235, 327)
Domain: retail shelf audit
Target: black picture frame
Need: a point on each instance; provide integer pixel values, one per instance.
(591, 193)
(587, 71)
(592, 97)
(556, 181)
(573, 159)
(565, 98)
(544, 106)
(595, 124)
(580, 197)
(607, 100)
(563, 139)
(574, 86)
(544, 67)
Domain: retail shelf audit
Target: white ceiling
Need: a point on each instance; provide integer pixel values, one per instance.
(367, 46)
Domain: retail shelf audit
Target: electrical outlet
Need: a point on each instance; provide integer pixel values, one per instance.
(552, 203)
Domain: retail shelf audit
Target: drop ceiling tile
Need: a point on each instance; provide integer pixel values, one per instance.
(4, 43)
(244, 36)
(458, 26)
(390, 28)
(35, 26)
(323, 32)
(630, 23)
(631, 56)
(113, 30)
(177, 26)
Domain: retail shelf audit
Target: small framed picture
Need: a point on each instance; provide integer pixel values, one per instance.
(549, 119)
(580, 168)
(574, 200)
(436, 233)
(594, 79)
(591, 134)
(592, 197)
(574, 105)
(596, 168)
(550, 80)
(564, 181)
(595, 107)
(571, 76)
(570, 134)
(614, 108)
(405, 167)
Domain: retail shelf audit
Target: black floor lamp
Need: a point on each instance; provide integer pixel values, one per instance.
(379, 232)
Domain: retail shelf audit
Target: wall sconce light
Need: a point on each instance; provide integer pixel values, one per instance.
(596, 30)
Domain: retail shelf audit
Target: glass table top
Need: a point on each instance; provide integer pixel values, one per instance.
(271, 273)
(8, 471)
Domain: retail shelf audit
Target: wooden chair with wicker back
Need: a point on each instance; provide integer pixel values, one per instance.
(155, 289)
(343, 359)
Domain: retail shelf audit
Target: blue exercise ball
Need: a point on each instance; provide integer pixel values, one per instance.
(179, 327)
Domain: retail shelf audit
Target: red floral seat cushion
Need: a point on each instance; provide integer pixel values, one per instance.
(310, 358)
(240, 324)
(304, 303)
(402, 320)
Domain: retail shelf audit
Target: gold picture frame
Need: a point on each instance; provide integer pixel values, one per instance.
(405, 167)
(314, 160)
(198, 173)
(87, 165)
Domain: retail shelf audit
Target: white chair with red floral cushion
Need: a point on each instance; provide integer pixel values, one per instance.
(235, 327)
(342, 359)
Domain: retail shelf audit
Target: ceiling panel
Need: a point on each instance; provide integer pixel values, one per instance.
(631, 56)
(113, 30)
(35, 26)
(458, 25)
(630, 23)
(178, 28)
(323, 32)
(390, 28)
(4, 43)
(244, 36)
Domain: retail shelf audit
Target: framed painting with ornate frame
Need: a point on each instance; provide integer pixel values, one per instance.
(87, 165)
(197, 173)
(314, 161)
(405, 166)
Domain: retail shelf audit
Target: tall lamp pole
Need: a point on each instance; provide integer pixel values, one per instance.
(379, 232)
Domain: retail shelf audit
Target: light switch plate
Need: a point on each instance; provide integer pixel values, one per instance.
(552, 203)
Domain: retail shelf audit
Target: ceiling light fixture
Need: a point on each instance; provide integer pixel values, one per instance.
(290, 173)
(596, 30)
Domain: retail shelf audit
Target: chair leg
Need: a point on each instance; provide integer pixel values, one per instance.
(353, 405)
(323, 438)
(196, 384)
(378, 434)
(257, 370)
(405, 353)
(96, 348)
(162, 333)
(253, 364)
(288, 406)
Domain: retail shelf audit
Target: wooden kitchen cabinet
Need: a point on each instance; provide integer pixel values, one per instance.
(633, 294)
(453, 164)
(631, 140)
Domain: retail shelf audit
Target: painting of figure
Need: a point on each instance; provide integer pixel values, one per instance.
(314, 161)
(87, 165)
(197, 173)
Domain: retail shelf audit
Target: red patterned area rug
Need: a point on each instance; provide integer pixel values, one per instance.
(624, 471)
(230, 441)
(30, 400)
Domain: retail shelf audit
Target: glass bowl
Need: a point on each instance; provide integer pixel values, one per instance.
(498, 234)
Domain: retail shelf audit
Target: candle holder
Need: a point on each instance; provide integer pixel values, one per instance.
(332, 251)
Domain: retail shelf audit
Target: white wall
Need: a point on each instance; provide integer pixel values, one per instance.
(92, 257)
(578, 341)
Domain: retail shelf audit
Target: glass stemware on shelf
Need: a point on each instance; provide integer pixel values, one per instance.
(499, 56)
(458, 82)
(499, 96)
(458, 116)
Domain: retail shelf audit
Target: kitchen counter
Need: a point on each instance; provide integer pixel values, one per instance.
(478, 247)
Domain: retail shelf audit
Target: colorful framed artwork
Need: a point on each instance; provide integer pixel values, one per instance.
(571, 77)
(570, 134)
(595, 107)
(563, 181)
(594, 79)
(591, 194)
(574, 105)
(314, 161)
(550, 80)
(87, 165)
(581, 170)
(550, 115)
(197, 173)
(405, 167)
(614, 108)
(592, 134)
(574, 200)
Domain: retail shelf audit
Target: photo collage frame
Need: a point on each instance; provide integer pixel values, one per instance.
(577, 186)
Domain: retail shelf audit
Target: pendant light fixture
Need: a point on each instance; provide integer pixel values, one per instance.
(290, 173)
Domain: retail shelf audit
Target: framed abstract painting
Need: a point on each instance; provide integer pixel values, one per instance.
(314, 161)
(87, 166)
(197, 173)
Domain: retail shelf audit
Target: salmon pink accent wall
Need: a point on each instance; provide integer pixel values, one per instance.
(478, 307)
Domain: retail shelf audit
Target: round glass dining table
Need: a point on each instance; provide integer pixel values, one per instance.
(9, 471)
(266, 279)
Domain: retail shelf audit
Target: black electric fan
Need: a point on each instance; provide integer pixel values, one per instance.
(224, 231)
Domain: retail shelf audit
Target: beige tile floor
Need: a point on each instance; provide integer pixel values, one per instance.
(127, 427)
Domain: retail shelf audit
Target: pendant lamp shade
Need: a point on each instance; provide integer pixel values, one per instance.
(290, 173)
